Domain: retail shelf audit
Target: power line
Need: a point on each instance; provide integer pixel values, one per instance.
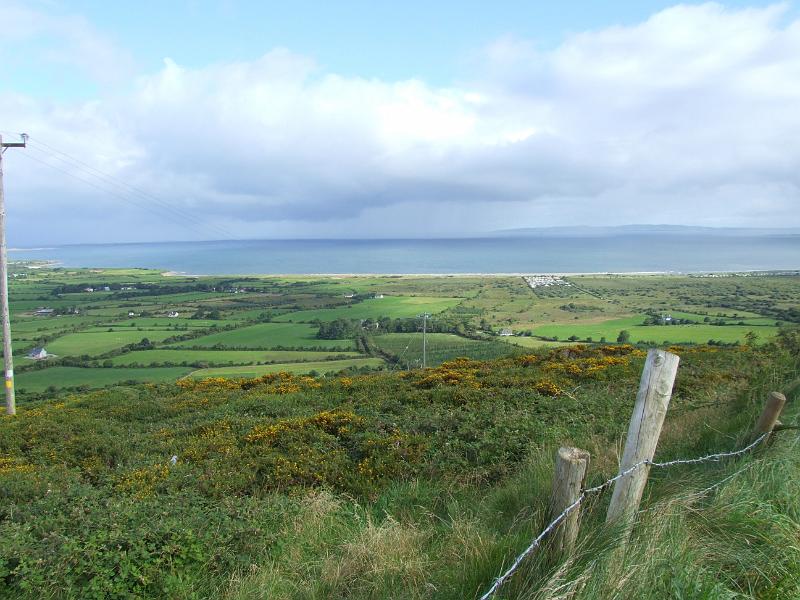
(125, 188)
(111, 179)
(103, 189)
(106, 179)
(189, 223)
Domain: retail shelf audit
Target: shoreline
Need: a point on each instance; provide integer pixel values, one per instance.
(53, 263)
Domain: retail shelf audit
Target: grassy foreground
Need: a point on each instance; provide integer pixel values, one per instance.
(400, 485)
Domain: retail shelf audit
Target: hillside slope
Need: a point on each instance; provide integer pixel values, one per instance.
(402, 485)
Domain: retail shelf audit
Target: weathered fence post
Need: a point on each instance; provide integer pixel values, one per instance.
(770, 414)
(570, 474)
(655, 391)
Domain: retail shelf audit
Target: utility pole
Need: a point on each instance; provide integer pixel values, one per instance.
(425, 317)
(11, 406)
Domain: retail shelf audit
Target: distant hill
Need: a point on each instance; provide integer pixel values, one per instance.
(610, 231)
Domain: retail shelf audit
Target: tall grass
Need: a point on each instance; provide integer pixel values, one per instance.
(737, 540)
(430, 539)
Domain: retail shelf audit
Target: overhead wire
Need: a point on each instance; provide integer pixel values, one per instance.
(169, 211)
(111, 192)
(118, 188)
(123, 188)
(112, 179)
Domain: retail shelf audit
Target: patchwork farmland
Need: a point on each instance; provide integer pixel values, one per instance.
(107, 327)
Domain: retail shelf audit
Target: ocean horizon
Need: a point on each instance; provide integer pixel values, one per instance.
(624, 253)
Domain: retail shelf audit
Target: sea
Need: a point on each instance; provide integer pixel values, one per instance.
(630, 253)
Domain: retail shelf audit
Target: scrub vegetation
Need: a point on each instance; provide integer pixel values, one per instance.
(413, 484)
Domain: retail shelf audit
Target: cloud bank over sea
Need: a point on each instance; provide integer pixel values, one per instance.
(688, 117)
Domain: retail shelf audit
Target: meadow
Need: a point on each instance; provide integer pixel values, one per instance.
(242, 357)
(303, 368)
(100, 342)
(407, 348)
(267, 336)
(661, 335)
(58, 378)
(396, 307)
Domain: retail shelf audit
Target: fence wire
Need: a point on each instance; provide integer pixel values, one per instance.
(599, 488)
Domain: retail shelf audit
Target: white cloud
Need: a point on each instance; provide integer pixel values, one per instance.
(34, 37)
(688, 117)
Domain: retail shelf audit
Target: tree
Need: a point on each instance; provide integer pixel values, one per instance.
(624, 337)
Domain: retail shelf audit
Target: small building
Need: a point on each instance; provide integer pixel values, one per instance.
(378, 296)
(106, 288)
(88, 289)
(37, 354)
(349, 295)
(506, 332)
(131, 313)
(44, 312)
(172, 314)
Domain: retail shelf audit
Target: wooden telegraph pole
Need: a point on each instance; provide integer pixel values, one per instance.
(11, 406)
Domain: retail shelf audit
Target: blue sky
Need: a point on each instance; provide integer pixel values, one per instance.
(326, 119)
(434, 41)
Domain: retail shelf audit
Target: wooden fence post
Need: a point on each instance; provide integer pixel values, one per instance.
(770, 414)
(655, 391)
(570, 475)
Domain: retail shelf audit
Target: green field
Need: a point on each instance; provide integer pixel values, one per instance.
(327, 366)
(45, 325)
(396, 307)
(690, 334)
(68, 377)
(465, 310)
(730, 318)
(165, 322)
(267, 335)
(407, 347)
(99, 342)
(532, 342)
(160, 356)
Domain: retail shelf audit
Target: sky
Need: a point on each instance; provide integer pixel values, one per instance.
(182, 120)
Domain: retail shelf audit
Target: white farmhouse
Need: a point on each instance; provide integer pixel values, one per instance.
(37, 354)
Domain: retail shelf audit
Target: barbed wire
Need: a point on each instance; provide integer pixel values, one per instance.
(716, 457)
